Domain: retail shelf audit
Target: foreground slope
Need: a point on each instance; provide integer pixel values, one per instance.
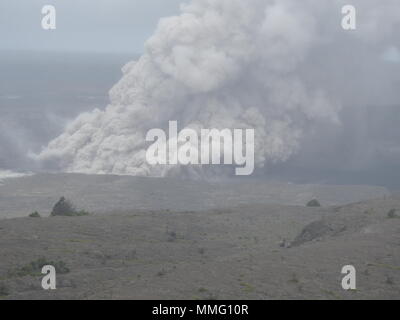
(246, 252)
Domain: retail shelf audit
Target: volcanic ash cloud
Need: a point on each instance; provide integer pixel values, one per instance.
(219, 64)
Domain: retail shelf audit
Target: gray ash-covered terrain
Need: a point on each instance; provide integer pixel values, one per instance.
(237, 247)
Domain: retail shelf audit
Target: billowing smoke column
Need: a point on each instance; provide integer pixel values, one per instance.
(220, 64)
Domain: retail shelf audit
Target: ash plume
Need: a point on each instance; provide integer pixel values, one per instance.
(223, 64)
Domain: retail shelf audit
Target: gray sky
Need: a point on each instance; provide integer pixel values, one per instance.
(82, 25)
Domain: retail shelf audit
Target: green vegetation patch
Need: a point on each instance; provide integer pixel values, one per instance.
(34, 268)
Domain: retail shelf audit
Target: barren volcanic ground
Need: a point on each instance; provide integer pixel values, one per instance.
(241, 246)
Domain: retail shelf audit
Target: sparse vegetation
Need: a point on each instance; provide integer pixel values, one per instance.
(35, 267)
(370, 211)
(82, 213)
(390, 280)
(314, 204)
(65, 208)
(4, 290)
(172, 236)
(34, 215)
(247, 287)
(284, 243)
(392, 214)
(294, 279)
(161, 273)
(312, 232)
(212, 297)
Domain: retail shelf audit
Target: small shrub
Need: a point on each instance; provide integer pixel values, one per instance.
(34, 215)
(392, 214)
(313, 204)
(81, 213)
(65, 208)
(161, 273)
(4, 291)
(294, 279)
(212, 296)
(172, 236)
(369, 211)
(390, 281)
(60, 266)
(35, 268)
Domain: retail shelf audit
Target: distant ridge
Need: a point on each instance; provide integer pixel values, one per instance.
(108, 193)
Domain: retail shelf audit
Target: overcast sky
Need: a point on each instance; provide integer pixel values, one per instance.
(82, 25)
